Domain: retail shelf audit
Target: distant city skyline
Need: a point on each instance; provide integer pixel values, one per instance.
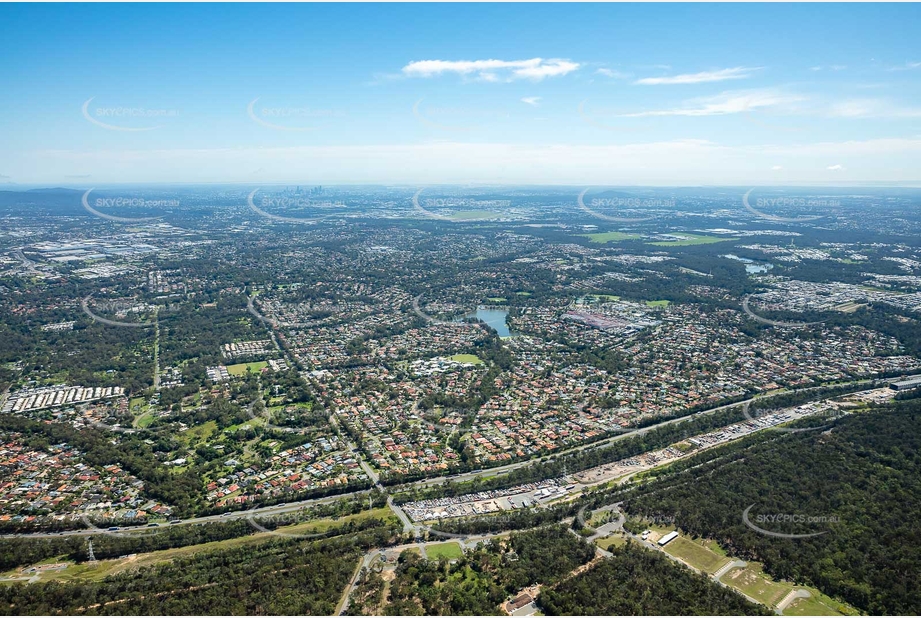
(542, 94)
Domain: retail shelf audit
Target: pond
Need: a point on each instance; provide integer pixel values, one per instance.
(751, 266)
(495, 318)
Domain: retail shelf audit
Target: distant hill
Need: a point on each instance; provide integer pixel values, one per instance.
(53, 202)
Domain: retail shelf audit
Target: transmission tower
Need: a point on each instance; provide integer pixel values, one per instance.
(91, 556)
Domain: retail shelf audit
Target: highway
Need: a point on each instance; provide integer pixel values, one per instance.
(601, 443)
(408, 525)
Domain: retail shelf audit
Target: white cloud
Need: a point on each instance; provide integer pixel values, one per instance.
(534, 69)
(777, 168)
(614, 73)
(835, 167)
(908, 66)
(725, 103)
(531, 100)
(699, 78)
(872, 108)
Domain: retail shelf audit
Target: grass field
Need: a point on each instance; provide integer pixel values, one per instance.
(696, 555)
(612, 541)
(658, 303)
(449, 550)
(819, 605)
(110, 567)
(240, 369)
(603, 237)
(497, 299)
(322, 525)
(145, 420)
(752, 581)
(691, 239)
(467, 358)
(198, 433)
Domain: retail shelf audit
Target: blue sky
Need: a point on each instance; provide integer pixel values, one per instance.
(652, 94)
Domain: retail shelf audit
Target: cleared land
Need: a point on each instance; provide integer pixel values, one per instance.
(752, 581)
(449, 550)
(105, 568)
(467, 358)
(696, 555)
(691, 239)
(240, 369)
(611, 541)
(603, 237)
(818, 605)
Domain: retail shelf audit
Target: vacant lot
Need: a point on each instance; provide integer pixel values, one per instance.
(240, 369)
(467, 358)
(696, 555)
(752, 581)
(603, 237)
(449, 550)
(691, 239)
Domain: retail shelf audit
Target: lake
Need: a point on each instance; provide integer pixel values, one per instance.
(495, 318)
(751, 266)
